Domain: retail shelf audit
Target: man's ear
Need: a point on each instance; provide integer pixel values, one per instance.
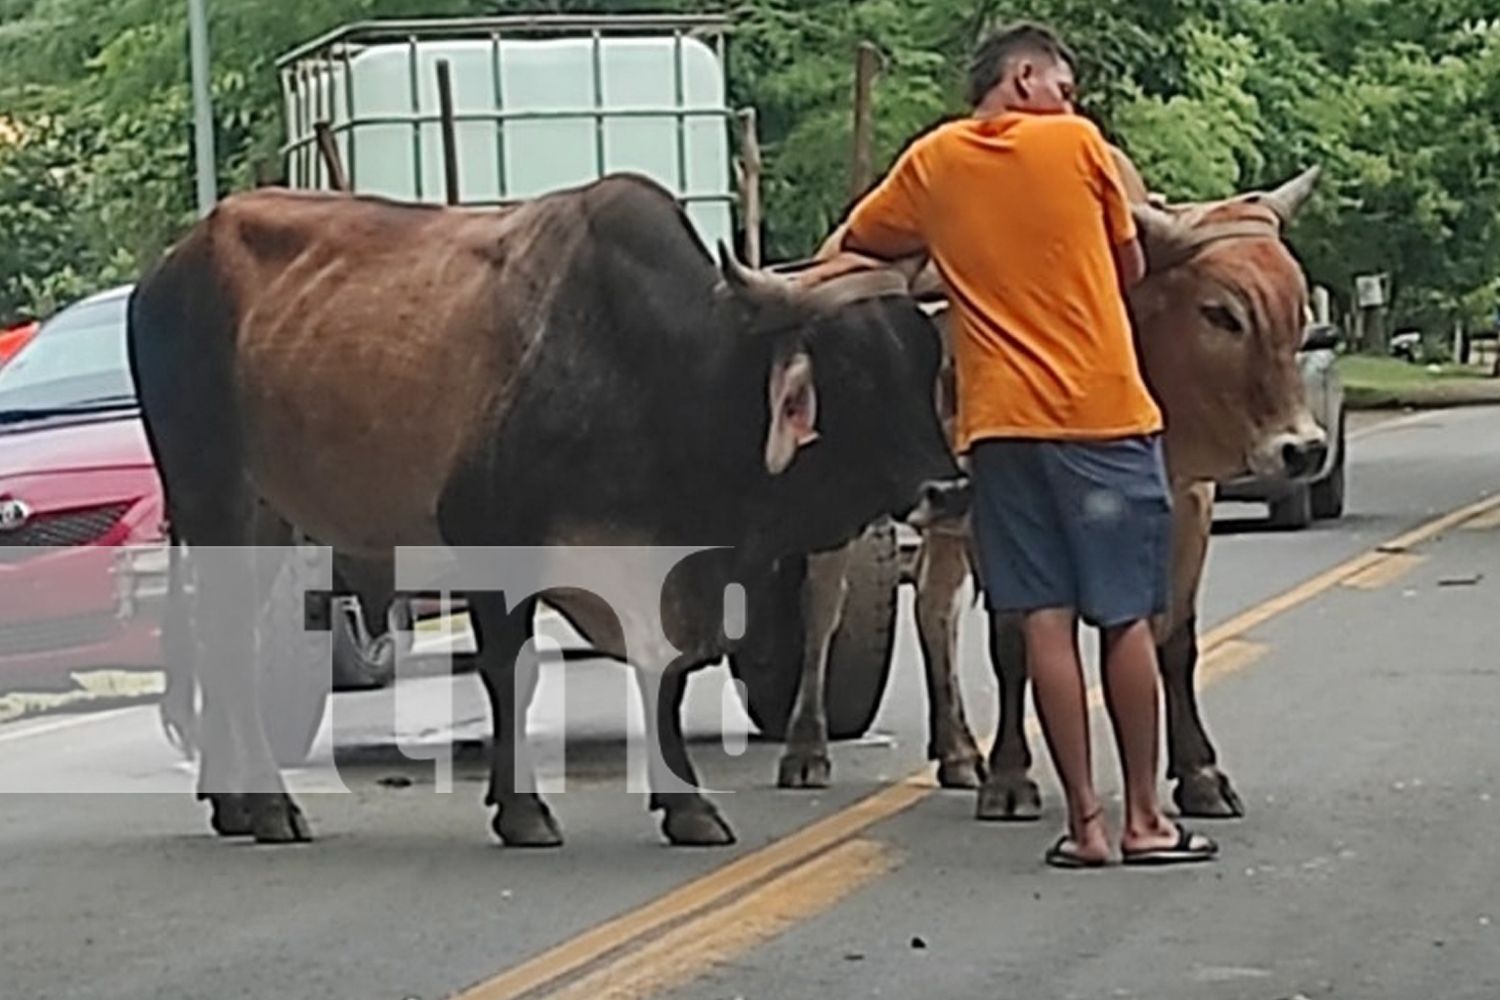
(1024, 72)
(794, 411)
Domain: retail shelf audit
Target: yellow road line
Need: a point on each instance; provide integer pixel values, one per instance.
(1229, 657)
(697, 896)
(1385, 572)
(1485, 522)
(684, 914)
(692, 949)
(1306, 591)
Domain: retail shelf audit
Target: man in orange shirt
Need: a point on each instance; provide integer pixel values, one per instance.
(1021, 209)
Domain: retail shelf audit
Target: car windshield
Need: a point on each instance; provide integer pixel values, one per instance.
(76, 361)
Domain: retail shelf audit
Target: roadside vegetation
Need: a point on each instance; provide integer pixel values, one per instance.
(1394, 98)
(1372, 383)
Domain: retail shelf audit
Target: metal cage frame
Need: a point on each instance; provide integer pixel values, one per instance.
(308, 119)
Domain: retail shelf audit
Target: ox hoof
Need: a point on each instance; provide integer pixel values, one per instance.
(229, 815)
(526, 824)
(1208, 794)
(1009, 798)
(961, 774)
(696, 826)
(279, 820)
(804, 769)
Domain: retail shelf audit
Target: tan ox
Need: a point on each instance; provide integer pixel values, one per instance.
(1218, 318)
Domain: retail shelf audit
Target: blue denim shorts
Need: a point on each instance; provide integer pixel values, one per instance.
(1085, 525)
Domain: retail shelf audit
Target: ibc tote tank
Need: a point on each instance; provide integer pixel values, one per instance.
(555, 85)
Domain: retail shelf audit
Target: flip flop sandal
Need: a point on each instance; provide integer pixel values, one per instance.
(1059, 856)
(1182, 852)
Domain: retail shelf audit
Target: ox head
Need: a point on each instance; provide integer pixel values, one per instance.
(1220, 317)
(850, 366)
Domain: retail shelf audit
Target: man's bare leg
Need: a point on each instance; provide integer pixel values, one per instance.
(1132, 697)
(1062, 705)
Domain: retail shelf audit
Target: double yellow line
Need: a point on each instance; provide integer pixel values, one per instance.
(729, 911)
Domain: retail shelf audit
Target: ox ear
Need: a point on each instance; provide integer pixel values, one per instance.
(1288, 199)
(794, 411)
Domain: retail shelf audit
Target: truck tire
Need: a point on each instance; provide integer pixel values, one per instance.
(1293, 511)
(295, 680)
(859, 659)
(1327, 496)
(768, 664)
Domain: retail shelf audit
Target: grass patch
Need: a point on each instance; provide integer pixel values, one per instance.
(438, 624)
(1372, 383)
(95, 691)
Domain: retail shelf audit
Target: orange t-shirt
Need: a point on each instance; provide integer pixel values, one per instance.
(1019, 214)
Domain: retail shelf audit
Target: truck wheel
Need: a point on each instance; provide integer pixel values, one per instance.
(859, 659)
(768, 663)
(1327, 497)
(1293, 511)
(295, 682)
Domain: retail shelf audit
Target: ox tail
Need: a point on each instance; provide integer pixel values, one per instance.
(178, 707)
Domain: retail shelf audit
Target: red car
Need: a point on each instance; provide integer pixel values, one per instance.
(13, 336)
(77, 485)
(83, 555)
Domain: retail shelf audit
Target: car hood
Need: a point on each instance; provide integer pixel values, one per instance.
(74, 445)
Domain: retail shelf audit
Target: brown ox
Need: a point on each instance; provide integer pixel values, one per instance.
(573, 372)
(1218, 319)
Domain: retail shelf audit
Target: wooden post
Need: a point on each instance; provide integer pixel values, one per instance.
(450, 141)
(866, 67)
(330, 152)
(750, 175)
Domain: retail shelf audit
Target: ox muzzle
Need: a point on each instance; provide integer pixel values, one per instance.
(1292, 455)
(1305, 457)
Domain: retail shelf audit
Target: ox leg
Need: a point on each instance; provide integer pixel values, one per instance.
(688, 819)
(805, 763)
(1203, 789)
(238, 776)
(208, 728)
(1009, 792)
(252, 798)
(521, 818)
(940, 576)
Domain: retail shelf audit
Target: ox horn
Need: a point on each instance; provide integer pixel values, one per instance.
(1162, 237)
(739, 277)
(857, 287)
(1288, 199)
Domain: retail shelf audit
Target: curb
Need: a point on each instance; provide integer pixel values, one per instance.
(1419, 402)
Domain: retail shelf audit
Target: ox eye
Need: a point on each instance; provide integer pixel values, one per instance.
(1221, 317)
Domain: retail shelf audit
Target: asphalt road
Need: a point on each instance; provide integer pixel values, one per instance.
(1358, 724)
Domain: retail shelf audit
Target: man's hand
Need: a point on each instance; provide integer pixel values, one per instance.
(1130, 263)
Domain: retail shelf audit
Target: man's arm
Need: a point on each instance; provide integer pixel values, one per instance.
(1119, 223)
(887, 222)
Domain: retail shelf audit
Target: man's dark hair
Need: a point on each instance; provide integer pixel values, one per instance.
(994, 53)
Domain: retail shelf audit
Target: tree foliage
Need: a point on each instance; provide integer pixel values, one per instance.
(1395, 99)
